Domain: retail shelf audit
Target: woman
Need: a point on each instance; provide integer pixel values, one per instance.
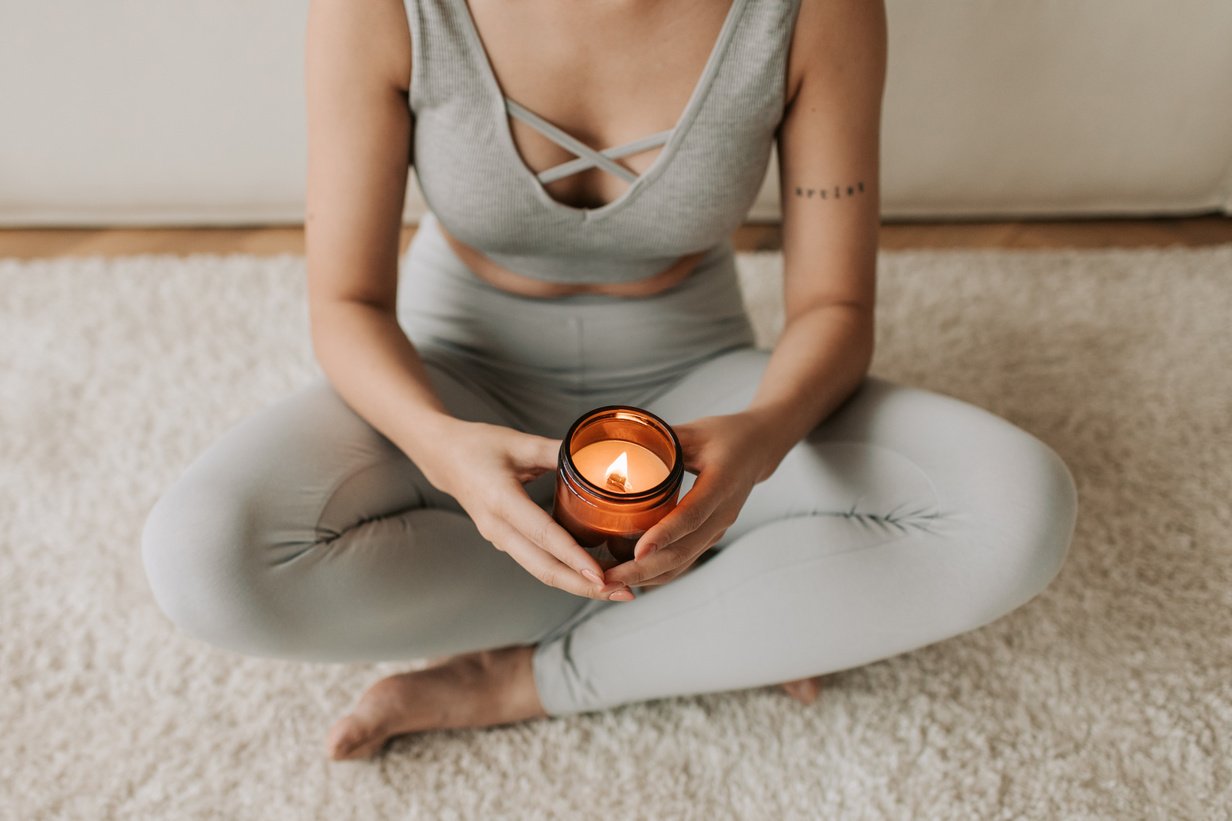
(584, 165)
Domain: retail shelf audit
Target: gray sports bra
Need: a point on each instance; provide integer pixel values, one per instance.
(696, 192)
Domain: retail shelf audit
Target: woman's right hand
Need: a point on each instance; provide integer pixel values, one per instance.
(485, 470)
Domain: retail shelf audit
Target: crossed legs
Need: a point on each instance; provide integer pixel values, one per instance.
(905, 518)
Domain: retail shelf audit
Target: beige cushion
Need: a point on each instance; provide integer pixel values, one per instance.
(146, 111)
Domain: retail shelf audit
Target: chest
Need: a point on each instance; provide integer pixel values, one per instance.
(567, 152)
(606, 74)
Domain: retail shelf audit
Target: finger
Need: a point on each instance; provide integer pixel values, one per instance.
(664, 578)
(638, 571)
(680, 556)
(661, 579)
(538, 451)
(537, 525)
(543, 566)
(693, 510)
(661, 561)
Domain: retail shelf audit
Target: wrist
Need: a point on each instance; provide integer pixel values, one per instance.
(435, 436)
(772, 440)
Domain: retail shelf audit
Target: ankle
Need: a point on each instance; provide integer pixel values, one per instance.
(519, 692)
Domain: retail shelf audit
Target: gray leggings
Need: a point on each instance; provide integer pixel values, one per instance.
(906, 517)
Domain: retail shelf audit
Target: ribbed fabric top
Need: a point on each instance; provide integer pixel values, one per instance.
(697, 191)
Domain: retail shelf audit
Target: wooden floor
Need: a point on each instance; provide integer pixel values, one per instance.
(1086, 233)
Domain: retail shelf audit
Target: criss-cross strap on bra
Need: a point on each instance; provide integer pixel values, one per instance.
(697, 190)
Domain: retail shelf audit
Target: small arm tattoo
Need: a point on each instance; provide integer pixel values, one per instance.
(834, 192)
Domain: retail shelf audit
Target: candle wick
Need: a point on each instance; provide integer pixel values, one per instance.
(618, 473)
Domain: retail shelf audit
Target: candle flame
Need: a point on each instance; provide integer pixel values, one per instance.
(618, 473)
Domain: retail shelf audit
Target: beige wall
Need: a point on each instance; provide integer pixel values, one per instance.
(154, 112)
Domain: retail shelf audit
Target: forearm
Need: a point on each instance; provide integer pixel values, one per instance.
(819, 360)
(377, 371)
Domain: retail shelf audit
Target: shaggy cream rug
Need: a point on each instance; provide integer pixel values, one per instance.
(1108, 696)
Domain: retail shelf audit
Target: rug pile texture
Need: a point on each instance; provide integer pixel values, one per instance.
(1107, 696)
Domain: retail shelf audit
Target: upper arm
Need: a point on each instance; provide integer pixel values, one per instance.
(357, 72)
(828, 151)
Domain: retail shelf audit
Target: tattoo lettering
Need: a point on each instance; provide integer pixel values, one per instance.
(837, 192)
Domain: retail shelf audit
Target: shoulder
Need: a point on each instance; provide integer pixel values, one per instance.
(832, 38)
(360, 39)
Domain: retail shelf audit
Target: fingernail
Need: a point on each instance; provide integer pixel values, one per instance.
(592, 575)
(621, 595)
(650, 548)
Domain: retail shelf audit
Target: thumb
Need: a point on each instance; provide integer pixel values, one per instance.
(688, 435)
(541, 451)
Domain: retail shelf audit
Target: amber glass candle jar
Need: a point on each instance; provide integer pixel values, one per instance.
(618, 473)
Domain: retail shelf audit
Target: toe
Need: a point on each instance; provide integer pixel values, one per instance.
(349, 738)
(803, 690)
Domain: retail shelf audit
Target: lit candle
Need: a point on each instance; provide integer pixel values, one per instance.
(618, 473)
(625, 467)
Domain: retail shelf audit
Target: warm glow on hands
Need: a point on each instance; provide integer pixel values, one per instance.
(727, 453)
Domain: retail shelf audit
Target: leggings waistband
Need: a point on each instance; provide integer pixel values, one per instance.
(579, 343)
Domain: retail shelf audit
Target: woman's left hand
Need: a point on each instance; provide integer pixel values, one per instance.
(728, 454)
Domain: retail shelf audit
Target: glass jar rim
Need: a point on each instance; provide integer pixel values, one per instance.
(674, 474)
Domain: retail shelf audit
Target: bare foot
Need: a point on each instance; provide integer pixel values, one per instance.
(804, 690)
(470, 690)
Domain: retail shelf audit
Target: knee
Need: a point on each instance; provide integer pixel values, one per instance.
(204, 567)
(1034, 519)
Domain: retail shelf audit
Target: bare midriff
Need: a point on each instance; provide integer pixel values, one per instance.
(507, 280)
